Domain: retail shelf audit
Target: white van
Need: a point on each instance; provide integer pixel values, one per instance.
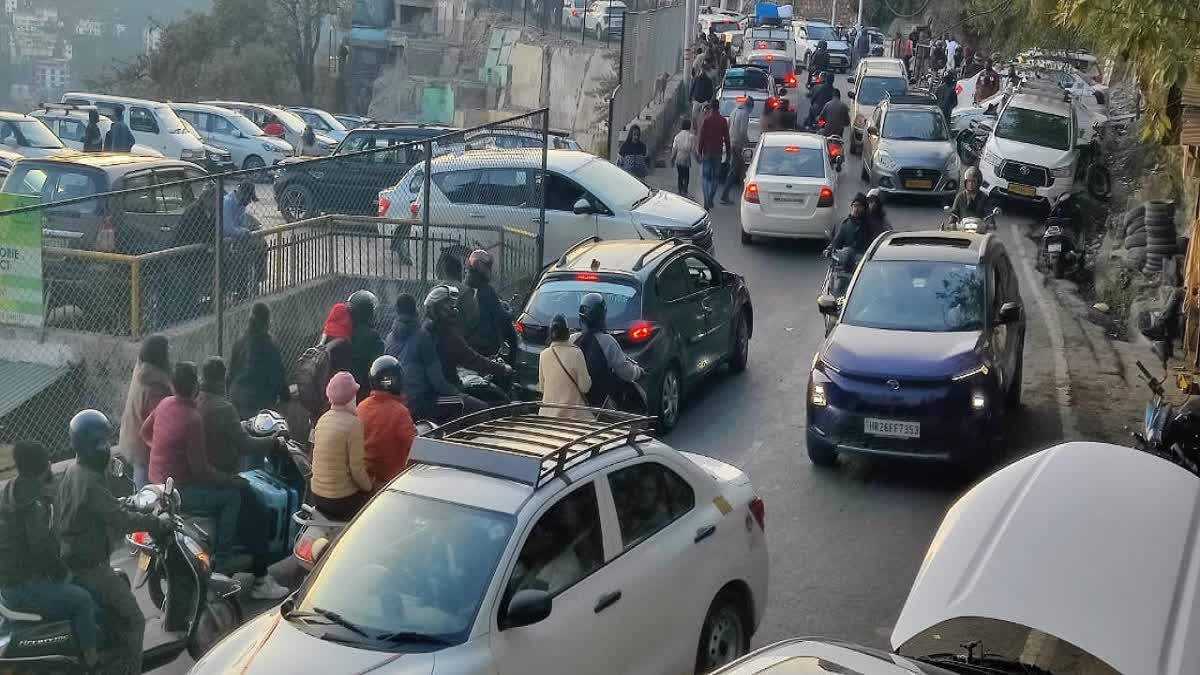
(69, 122)
(233, 131)
(153, 124)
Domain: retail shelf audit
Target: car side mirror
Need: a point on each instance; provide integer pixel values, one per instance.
(582, 207)
(827, 304)
(872, 131)
(850, 79)
(527, 607)
(1009, 312)
(850, 95)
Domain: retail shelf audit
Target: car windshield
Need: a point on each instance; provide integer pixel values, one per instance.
(819, 32)
(1035, 127)
(189, 128)
(28, 133)
(791, 160)
(243, 124)
(753, 79)
(563, 297)
(614, 186)
(871, 89)
(408, 565)
(914, 125)
(54, 183)
(779, 67)
(728, 105)
(917, 296)
(168, 121)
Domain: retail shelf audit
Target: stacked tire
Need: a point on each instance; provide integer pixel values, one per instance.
(1135, 237)
(1160, 234)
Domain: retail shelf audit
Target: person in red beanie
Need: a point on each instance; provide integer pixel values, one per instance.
(336, 335)
(387, 425)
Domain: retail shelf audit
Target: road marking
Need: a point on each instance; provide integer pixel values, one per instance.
(1062, 376)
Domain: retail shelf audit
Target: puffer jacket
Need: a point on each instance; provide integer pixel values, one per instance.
(424, 380)
(28, 549)
(148, 386)
(339, 467)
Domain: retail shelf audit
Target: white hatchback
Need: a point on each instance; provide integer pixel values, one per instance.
(518, 544)
(790, 188)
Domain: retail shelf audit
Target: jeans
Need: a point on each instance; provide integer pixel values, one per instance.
(120, 610)
(141, 475)
(685, 179)
(223, 504)
(57, 602)
(710, 179)
(737, 173)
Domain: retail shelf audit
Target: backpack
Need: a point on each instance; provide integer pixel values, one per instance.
(312, 376)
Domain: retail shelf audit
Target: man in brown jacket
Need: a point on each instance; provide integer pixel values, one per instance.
(151, 383)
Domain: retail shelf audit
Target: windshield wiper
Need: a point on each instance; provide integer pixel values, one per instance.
(331, 616)
(645, 199)
(409, 636)
(988, 664)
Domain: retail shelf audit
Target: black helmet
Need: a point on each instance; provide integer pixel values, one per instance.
(90, 434)
(593, 312)
(362, 306)
(387, 375)
(442, 301)
(822, 45)
(480, 263)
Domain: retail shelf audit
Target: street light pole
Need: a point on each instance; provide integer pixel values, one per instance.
(859, 22)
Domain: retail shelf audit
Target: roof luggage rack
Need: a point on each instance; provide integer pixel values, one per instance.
(65, 106)
(914, 96)
(516, 443)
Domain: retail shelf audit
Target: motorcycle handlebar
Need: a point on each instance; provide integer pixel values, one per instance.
(1155, 385)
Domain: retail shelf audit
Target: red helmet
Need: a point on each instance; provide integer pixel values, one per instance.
(481, 262)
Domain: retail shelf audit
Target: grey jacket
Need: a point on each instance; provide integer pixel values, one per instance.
(149, 385)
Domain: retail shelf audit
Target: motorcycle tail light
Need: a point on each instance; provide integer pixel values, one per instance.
(826, 197)
(751, 193)
(141, 538)
(303, 549)
(641, 331)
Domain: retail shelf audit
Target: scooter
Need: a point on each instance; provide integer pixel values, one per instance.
(970, 141)
(1060, 250)
(1170, 433)
(837, 279)
(971, 224)
(199, 607)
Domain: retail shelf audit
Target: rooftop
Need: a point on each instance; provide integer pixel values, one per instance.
(620, 255)
(933, 246)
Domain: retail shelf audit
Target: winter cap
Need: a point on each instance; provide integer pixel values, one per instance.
(341, 389)
(338, 324)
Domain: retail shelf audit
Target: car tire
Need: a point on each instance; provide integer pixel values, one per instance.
(296, 202)
(1012, 397)
(667, 398)
(821, 453)
(739, 356)
(253, 162)
(725, 634)
(217, 619)
(747, 238)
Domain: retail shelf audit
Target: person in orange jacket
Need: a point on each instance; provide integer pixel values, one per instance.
(388, 426)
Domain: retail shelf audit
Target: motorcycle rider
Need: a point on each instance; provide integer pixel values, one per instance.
(876, 217)
(818, 62)
(413, 346)
(90, 522)
(365, 343)
(450, 271)
(836, 115)
(819, 97)
(442, 323)
(494, 328)
(387, 425)
(970, 202)
(853, 232)
(607, 364)
(32, 576)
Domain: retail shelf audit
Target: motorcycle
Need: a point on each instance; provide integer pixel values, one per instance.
(970, 224)
(199, 606)
(1170, 433)
(1060, 252)
(837, 280)
(970, 141)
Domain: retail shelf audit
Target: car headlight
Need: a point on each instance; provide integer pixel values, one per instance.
(191, 154)
(817, 395)
(660, 232)
(981, 369)
(978, 401)
(991, 158)
(1063, 171)
(270, 148)
(885, 161)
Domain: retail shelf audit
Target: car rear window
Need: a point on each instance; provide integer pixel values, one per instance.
(780, 68)
(54, 183)
(790, 160)
(564, 296)
(769, 44)
(753, 79)
(728, 105)
(871, 89)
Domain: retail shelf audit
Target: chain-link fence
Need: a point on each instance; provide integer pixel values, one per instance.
(651, 54)
(113, 249)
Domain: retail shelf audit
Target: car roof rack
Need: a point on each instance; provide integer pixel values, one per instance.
(517, 443)
(645, 257)
(915, 96)
(65, 106)
(562, 260)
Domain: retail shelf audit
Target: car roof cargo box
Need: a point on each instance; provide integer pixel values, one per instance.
(766, 14)
(785, 13)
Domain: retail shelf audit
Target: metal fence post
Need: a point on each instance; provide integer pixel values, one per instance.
(425, 210)
(135, 299)
(541, 236)
(524, 10)
(218, 287)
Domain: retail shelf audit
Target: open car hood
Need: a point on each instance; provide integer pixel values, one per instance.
(1090, 543)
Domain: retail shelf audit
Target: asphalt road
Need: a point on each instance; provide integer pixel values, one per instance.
(845, 543)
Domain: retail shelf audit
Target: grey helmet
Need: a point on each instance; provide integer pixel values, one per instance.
(974, 174)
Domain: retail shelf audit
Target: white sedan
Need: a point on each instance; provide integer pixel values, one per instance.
(790, 188)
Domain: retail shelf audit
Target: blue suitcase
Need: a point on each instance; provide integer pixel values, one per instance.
(265, 521)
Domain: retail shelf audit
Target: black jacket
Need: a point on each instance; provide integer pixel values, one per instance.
(365, 347)
(28, 550)
(414, 347)
(93, 140)
(702, 88)
(819, 61)
(90, 522)
(947, 100)
(495, 326)
(852, 232)
(255, 378)
(225, 439)
(967, 207)
(821, 95)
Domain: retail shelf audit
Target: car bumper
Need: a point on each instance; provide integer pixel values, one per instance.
(819, 226)
(995, 186)
(956, 442)
(892, 182)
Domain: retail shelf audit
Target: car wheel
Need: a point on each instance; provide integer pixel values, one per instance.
(253, 162)
(725, 635)
(668, 396)
(747, 238)
(740, 355)
(296, 203)
(821, 453)
(1012, 397)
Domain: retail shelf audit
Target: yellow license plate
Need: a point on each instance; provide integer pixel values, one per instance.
(143, 561)
(1023, 190)
(918, 184)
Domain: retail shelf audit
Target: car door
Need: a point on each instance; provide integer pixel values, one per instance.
(662, 537)
(683, 311)
(706, 281)
(871, 142)
(564, 227)
(1015, 332)
(145, 130)
(1000, 333)
(71, 132)
(221, 133)
(564, 553)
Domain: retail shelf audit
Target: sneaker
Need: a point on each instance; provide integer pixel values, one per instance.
(266, 588)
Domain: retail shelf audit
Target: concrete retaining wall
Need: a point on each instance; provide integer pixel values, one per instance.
(657, 120)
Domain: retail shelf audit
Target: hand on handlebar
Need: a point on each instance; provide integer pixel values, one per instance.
(166, 523)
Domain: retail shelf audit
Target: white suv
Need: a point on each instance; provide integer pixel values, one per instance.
(1033, 152)
(523, 544)
(230, 130)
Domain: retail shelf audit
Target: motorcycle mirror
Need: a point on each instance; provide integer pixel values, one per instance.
(169, 487)
(827, 304)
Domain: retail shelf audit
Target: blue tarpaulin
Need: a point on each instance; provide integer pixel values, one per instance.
(766, 14)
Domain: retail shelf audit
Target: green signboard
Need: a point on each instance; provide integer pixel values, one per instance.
(20, 263)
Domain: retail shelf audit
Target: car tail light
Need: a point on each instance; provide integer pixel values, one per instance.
(519, 327)
(820, 121)
(414, 209)
(106, 239)
(303, 549)
(826, 198)
(641, 331)
(384, 205)
(759, 510)
(834, 150)
(791, 79)
(770, 57)
(750, 196)
(740, 99)
(587, 276)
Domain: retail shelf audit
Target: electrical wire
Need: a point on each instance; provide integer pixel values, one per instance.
(900, 15)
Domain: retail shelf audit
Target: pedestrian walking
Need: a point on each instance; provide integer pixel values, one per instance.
(683, 148)
(702, 93)
(255, 381)
(149, 385)
(119, 137)
(739, 138)
(712, 146)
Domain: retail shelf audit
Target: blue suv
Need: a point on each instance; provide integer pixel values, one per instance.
(925, 356)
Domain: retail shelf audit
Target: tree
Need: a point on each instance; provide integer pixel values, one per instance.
(295, 27)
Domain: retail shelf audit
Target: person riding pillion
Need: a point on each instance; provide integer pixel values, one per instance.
(819, 61)
(607, 363)
(388, 429)
(413, 345)
(442, 322)
(494, 327)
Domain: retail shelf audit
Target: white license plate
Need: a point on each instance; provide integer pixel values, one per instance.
(143, 561)
(56, 242)
(1054, 248)
(892, 428)
(789, 199)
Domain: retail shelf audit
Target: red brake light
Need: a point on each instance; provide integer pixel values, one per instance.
(820, 121)
(834, 151)
(384, 205)
(587, 276)
(759, 509)
(792, 148)
(770, 57)
(640, 331)
(413, 209)
(519, 327)
(826, 198)
(791, 79)
(303, 549)
(740, 99)
(141, 538)
(751, 193)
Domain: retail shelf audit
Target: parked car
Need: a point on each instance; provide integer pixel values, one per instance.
(352, 122)
(1033, 152)
(585, 196)
(790, 188)
(491, 554)
(925, 358)
(673, 308)
(132, 224)
(293, 124)
(322, 122)
(29, 137)
(572, 14)
(1025, 560)
(7, 160)
(216, 159)
(249, 147)
(908, 149)
(153, 124)
(605, 19)
(873, 79)
(501, 138)
(351, 182)
(69, 122)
